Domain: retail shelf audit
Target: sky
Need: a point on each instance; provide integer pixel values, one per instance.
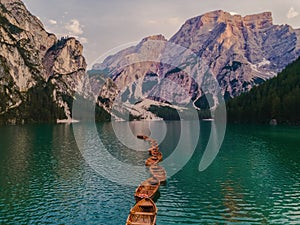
(105, 26)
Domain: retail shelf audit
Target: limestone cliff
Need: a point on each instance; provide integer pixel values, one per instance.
(241, 51)
(39, 74)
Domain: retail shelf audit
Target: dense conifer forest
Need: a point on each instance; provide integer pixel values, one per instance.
(278, 98)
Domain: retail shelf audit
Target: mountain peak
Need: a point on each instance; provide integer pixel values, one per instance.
(260, 20)
(240, 51)
(216, 16)
(259, 16)
(158, 37)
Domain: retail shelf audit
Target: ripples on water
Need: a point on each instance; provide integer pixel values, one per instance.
(44, 180)
(255, 179)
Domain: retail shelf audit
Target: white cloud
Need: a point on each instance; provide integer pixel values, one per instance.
(74, 27)
(52, 22)
(292, 13)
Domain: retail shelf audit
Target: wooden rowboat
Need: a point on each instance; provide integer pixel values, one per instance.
(159, 172)
(157, 154)
(153, 148)
(154, 145)
(151, 181)
(143, 213)
(153, 152)
(147, 189)
(152, 160)
(152, 141)
(140, 136)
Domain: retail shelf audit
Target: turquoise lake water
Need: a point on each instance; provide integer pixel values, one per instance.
(45, 179)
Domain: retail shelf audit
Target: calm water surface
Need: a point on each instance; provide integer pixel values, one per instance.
(255, 178)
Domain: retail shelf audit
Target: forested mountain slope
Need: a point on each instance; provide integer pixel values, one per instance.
(278, 98)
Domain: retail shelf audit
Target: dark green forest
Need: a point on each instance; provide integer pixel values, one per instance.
(277, 98)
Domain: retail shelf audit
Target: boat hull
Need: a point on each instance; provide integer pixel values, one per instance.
(144, 212)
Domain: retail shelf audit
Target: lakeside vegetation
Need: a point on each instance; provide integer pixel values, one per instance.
(277, 99)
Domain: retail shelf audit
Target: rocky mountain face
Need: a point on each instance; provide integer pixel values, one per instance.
(39, 74)
(239, 52)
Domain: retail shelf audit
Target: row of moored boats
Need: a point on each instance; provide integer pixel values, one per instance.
(144, 212)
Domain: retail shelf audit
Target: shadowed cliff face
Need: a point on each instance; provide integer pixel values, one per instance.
(240, 52)
(39, 74)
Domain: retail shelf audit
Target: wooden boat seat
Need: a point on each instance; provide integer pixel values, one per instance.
(140, 223)
(144, 213)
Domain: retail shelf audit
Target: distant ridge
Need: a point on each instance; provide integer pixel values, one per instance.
(241, 52)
